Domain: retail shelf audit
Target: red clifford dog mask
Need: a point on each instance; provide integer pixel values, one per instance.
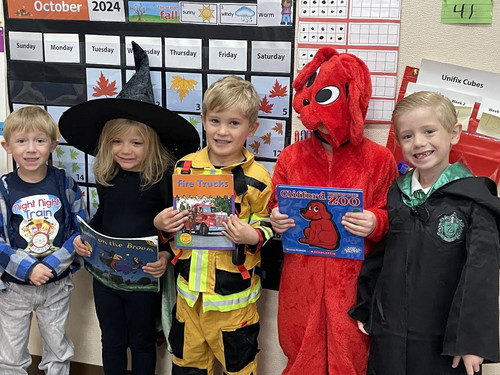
(333, 90)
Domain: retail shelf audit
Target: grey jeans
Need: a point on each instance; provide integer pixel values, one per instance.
(50, 302)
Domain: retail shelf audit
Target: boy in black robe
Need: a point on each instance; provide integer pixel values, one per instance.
(428, 294)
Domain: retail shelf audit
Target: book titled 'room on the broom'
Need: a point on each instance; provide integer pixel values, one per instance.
(317, 212)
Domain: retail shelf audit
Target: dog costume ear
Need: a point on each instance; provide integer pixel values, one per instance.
(323, 54)
(359, 93)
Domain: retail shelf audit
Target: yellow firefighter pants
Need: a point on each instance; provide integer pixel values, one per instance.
(198, 337)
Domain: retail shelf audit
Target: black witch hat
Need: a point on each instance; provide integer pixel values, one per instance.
(82, 124)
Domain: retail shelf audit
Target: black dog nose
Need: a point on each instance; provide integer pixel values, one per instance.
(306, 102)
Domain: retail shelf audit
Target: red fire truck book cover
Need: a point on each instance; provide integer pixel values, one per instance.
(318, 212)
(209, 200)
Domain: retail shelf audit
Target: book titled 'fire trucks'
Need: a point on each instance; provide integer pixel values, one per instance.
(209, 200)
(317, 212)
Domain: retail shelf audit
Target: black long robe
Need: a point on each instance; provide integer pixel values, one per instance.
(426, 297)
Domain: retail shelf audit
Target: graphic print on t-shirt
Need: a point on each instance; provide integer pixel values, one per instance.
(39, 226)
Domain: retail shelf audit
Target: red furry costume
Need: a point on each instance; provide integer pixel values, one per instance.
(315, 332)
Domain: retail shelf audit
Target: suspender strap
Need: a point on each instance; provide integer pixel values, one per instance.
(240, 183)
(186, 167)
(176, 258)
(244, 272)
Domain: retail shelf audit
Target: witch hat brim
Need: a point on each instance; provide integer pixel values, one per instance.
(82, 124)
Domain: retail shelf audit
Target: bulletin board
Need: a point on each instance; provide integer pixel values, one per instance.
(64, 52)
(368, 29)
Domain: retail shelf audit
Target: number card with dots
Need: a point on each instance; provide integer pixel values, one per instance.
(323, 8)
(306, 54)
(322, 32)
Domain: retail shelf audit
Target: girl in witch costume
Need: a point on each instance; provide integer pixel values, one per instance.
(135, 144)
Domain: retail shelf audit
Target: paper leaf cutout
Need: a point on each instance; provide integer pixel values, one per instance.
(265, 106)
(255, 146)
(59, 152)
(193, 121)
(75, 167)
(61, 165)
(104, 87)
(277, 90)
(278, 128)
(266, 138)
(182, 85)
(73, 154)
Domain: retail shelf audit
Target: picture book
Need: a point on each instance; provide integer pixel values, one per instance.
(118, 262)
(318, 212)
(209, 200)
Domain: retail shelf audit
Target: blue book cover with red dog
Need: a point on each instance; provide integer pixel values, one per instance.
(318, 212)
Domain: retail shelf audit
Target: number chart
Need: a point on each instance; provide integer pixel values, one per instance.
(55, 62)
(368, 29)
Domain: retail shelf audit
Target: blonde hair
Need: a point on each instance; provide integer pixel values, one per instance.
(443, 107)
(157, 158)
(28, 119)
(232, 91)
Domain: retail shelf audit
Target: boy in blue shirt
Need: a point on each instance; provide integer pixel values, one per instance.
(38, 208)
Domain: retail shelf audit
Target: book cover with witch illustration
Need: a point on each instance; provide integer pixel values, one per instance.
(118, 262)
(317, 212)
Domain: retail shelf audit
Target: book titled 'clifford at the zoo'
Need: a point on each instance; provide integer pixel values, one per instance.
(318, 212)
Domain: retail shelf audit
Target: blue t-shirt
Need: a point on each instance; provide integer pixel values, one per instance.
(37, 212)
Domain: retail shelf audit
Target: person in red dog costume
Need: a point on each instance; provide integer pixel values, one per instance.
(315, 332)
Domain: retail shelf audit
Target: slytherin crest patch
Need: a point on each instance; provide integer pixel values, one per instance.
(450, 227)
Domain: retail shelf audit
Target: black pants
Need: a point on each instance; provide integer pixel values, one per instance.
(127, 319)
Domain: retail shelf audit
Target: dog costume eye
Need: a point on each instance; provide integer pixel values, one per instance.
(327, 95)
(311, 80)
(316, 209)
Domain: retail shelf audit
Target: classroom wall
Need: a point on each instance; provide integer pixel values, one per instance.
(422, 36)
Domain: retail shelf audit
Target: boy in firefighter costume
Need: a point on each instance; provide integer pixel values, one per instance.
(315, 331)
(216, 314)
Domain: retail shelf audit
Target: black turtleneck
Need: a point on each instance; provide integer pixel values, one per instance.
(126, 210)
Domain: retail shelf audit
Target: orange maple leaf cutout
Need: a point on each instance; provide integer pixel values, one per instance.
(277, 90)
(278, 128)
(266, 138)
(182, 85)
(255, 146)
(265, 106)
(104, 87)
